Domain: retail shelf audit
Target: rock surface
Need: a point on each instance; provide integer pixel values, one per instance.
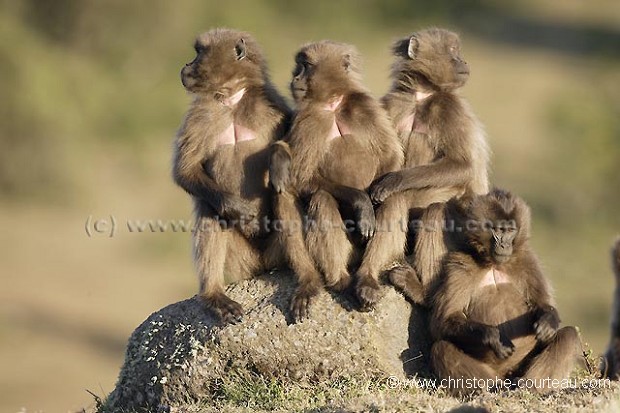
(180, 353)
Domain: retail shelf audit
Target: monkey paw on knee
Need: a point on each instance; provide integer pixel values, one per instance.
(547, 326)
(501, 346)
(385, 187)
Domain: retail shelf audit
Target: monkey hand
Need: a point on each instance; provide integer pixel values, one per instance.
(364, 215)
(501, 346)
(280, 171)
(385, 186)
(547, 324)
(234, 207)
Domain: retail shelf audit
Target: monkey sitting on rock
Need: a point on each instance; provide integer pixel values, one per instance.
(446, 155)
(221, 159)
(492, 313)
(340, 141)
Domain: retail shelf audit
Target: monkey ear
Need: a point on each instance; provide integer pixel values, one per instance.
(240, 49)
(346, 62)
(413, 47)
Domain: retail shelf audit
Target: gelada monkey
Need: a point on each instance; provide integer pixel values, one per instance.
(221, 159)
(446, 155)
(340, 141)
(492, 313)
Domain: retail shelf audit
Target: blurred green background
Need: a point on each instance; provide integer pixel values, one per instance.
(91, 99)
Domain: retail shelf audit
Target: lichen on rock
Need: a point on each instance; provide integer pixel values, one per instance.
(180, 354)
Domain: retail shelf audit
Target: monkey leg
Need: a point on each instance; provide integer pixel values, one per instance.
(459, 371)
(327, 240)
(210, 251)
(555, 361)
(273, 255)
(388, 244)
(289, 226)
(243, 258)
(429, 248)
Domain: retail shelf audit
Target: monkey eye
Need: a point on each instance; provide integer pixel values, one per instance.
(299, 68)
(200, 48)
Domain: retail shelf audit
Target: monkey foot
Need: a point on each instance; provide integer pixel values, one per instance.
(367, 290)
(227, 310)
(405, 279)
(300, 303)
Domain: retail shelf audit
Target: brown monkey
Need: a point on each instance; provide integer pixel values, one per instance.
(222, 157)
(340, 141)
(493, 315)
(446, 155)
(611, 365)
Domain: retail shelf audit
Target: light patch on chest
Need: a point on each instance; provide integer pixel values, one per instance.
(235, 132)
(494, 277)
(338, 128)
(408, 123)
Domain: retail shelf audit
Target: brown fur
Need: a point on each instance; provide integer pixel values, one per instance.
(446, 155)
(611, 365)
(227, 181)
(507, 328)
(330, 175)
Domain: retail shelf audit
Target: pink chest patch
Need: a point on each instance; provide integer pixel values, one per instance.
(406, 124)
(235, 132)
(409, 123)
(494, 277)
(338, 128)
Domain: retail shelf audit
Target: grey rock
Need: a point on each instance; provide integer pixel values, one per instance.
(180, 354)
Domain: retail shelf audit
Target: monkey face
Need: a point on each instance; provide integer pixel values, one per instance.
(225, 62)
(497, 224)
(323, 70)
(302, 72)
(436, 55)
(503, 234)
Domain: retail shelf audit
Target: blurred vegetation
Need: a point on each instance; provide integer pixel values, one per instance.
(91, 99)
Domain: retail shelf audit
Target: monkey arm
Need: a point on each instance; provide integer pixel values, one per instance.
(355, 198)
(538, 294)
(280, 166)
(445, 172)
(197, 183)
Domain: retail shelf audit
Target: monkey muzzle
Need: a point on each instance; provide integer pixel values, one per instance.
(187, 77)
(502, 252)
